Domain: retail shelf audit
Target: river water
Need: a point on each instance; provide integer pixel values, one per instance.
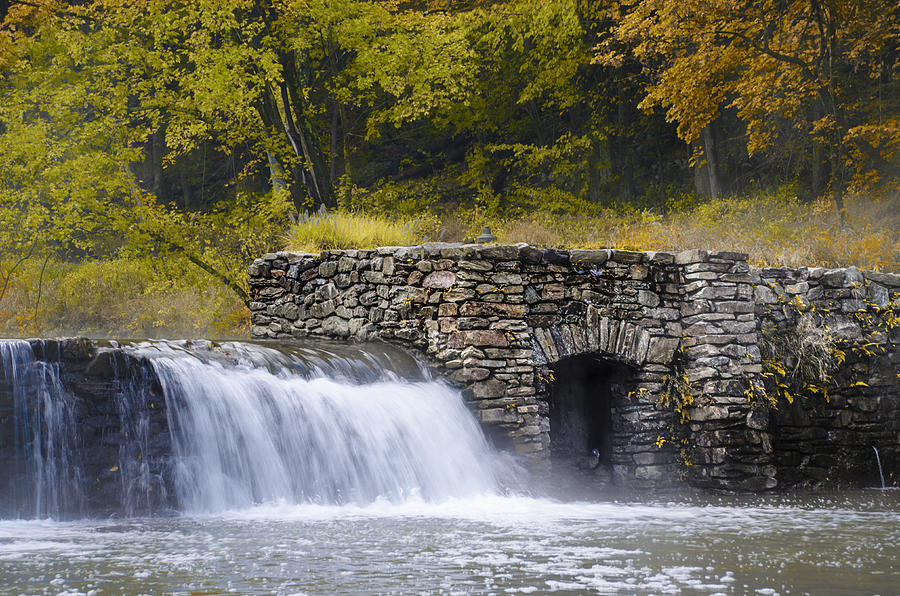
(486, 545)
(309, 474)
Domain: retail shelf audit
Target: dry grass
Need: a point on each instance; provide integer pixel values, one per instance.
(326, 231)
(120, 298)
(773, 231)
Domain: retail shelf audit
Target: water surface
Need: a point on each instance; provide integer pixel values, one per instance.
(818, 545)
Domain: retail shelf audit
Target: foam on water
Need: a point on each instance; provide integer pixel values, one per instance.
(482, 544)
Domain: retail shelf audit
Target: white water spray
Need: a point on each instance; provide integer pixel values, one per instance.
(880, 471)
(243, 436)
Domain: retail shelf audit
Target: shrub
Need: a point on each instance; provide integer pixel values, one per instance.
(772, 229)
(140, 297)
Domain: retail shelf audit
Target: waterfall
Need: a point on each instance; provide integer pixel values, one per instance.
(880, 471)
(199, 427)
(43, 472)
(244, 435)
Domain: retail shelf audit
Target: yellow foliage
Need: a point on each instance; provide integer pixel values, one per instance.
(141, 297)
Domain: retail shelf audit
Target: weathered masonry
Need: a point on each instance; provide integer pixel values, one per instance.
(651, 358)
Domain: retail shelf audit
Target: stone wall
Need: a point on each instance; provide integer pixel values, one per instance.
(682, 330)
(830, 438)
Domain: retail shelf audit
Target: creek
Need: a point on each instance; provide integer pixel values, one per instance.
(317, 469)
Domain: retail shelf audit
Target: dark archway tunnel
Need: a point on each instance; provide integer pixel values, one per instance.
(583, 411)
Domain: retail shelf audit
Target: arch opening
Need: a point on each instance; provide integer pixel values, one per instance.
(585, 404)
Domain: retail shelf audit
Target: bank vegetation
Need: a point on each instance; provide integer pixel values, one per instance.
(149, 150)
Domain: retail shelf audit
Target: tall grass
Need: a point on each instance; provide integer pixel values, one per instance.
(773, 230)
(120, 298)
(325, 231)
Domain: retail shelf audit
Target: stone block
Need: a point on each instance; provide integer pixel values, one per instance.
(662, 349)
(715, 292)
(345, 264)
(490, 389)
(626, 257)
(439, 280)
(447, 309)
(691, 256)
(479, 338)
(553, 292)
(890, 280)
(735, 306)
(328, 268)
(705, 413)
(530, 254)
(469, 375)
(336, 327)
(499, 252)
(878, 295)
(506, 279)
(552, 256)
(693, 307)
(589, 258)
(373, 277)
(476, 265)
(457, 295)
(758, 418)
(484, 309)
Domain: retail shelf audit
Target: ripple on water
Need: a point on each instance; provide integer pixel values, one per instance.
(486, 544)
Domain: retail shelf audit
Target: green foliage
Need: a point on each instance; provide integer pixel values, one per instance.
(195, 131)
(125, 297)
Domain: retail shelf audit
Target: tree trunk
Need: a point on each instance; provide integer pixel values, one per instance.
(158, 148)
(276, 172)
(333, 148)
(710, 151)
(301, 135)
(837, 180)
(268, 112)
(817, 171)
(706, 171)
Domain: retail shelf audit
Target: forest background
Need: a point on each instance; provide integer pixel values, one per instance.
(150, 149)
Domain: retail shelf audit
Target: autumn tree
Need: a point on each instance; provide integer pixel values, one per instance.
(826, 71)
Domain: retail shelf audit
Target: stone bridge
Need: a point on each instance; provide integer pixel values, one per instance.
(650, 357)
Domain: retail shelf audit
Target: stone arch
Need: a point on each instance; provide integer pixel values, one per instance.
(605, 377)
(622, 341)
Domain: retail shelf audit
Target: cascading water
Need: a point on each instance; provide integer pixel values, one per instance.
(880, 471)
(43, 471)
(202, 427)
(243, 435)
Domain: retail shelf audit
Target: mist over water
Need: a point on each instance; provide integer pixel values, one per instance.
(314, 471)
